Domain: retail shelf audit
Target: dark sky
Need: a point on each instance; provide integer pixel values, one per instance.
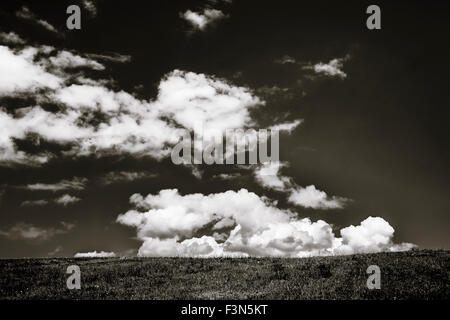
(378, 137)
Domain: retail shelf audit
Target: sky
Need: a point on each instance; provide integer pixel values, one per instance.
(88, 119)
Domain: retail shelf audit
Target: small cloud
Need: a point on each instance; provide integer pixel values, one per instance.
(196, 172)
(90, 7)
(66, 199)
(331, 69)
(74, 184)
(286, 60)
(95, 254)
(286, 126)
(310, 197)
(268, 175)
(125, 176)
(110, 57)
(34, 203)
(25, 231)
(227, 176)
(201, 20)
(11, 38)
(26, 14)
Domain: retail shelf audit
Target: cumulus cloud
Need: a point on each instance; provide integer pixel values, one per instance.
(74, 184)
(25, 231)
(201, 20)
(310, 197)
(25, 13)
(11, 38)
(241, 224)
(373, 235)
(93, 119)
(131, 126)
(66, 200)
(95, 254)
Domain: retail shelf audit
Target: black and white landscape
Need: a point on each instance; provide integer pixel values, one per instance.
(96, 95)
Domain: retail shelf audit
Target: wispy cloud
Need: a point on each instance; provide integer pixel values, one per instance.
(34, 203)
(74, 184)
(25, 13)
(95, 254)
(25, 231)
(111, 57)
(63, 200)
(126, 176)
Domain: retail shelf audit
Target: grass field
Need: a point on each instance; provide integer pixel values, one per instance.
(404, 275)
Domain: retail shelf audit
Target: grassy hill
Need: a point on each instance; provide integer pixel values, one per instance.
(404, 275)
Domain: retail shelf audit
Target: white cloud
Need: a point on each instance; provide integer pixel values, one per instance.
(66, 200)
(192, 99)
(201, 20)
(373, 235)
(168, 222)
(95, 254)
(287, 126)
(74, 184)
(25, 231)
(130, 125)
(269, 177)
(331, 69)
(23, 73)
(310, 197)
(66, 59)
(11, 38)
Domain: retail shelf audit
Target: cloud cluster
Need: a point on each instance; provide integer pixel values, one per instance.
(269, 176)
(95, 254)
(242, 223)
(128, 125)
